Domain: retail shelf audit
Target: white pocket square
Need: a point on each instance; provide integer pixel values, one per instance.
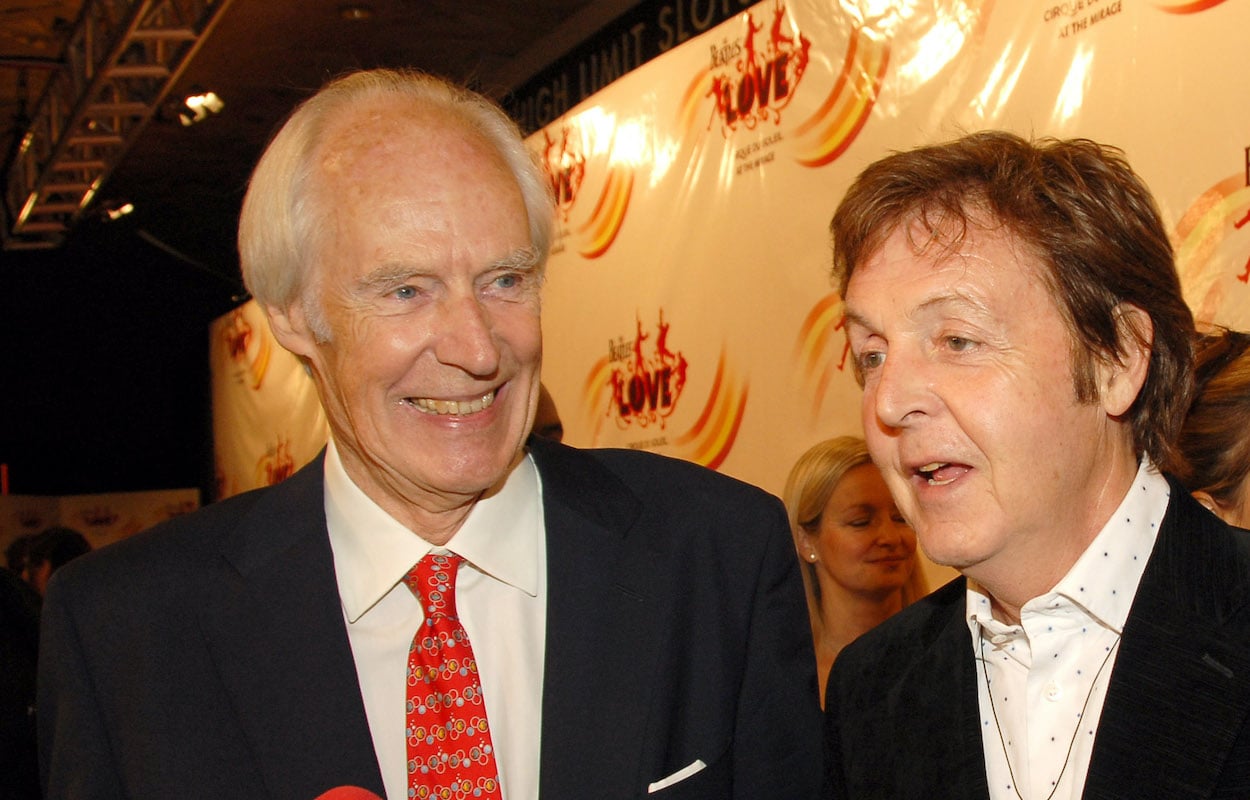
(677, 777)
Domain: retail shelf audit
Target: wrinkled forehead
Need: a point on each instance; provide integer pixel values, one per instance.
(919, 277)
(932, 242)
(393, 156)
(401, 147)
(369, 137)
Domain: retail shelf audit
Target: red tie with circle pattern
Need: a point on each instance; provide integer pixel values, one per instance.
(450, 755)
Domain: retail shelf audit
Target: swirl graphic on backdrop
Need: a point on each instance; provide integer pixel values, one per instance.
(818, 351)
(752, 79)
(637, 388)
(699, 88)
(251, 353)
(596, 390)
(1187, 6)
(565, 163)
(830, 131)
(1219, 214)
(711, 438)
(599, 230)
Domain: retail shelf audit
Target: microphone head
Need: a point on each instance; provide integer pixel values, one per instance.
(348, 793)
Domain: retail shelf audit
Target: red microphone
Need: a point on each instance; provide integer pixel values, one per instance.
(348, 793)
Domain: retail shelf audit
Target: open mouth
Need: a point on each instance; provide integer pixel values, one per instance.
(428, 405)
(941, 473)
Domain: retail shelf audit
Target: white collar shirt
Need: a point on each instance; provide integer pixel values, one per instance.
(1049, 674)
(501, 597)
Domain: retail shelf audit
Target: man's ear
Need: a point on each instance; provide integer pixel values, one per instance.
(1120, 380)
(1207, 501)
(290, 327)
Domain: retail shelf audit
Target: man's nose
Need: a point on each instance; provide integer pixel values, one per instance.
(466, 337)
(901, 393)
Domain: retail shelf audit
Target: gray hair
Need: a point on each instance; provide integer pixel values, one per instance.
(278, 219)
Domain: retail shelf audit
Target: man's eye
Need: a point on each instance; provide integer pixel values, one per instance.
(406, 292)
(508, 281)
(958, 343)
(871, 360)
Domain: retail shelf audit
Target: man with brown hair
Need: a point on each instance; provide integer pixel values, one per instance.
(1017, 324)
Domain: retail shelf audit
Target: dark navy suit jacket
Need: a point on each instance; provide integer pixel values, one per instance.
(902, 719)
(208, 658)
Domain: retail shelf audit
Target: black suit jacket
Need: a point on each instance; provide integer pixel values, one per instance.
(902, 719)
(208, 658)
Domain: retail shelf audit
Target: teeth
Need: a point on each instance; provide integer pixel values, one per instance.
(932, 467)
(453, 407)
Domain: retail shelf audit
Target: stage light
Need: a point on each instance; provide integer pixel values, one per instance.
(116, 211)
(355, 12)
(198, 107)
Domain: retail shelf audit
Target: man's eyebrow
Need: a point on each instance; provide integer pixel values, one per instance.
(938, 303)
(523, 258)
(952, 299)
(855, 318)
(386, 276)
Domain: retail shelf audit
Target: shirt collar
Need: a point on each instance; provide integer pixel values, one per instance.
(501, 536)
(1103, 581)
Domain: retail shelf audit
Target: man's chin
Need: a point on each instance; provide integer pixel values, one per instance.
(946, 553)
(475, 478)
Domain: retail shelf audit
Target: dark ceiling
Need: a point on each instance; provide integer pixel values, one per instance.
(103, 340)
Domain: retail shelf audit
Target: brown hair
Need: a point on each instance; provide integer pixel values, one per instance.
(1091, 222)
(1215, 439)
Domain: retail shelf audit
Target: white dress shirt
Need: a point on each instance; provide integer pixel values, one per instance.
(1049, 674)
(501, 596)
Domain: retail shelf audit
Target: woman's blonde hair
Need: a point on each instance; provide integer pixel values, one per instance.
(809, 486)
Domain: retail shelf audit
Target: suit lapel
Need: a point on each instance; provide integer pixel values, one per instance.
(275, 628)
(902, 718)
(946, 752)
(1180, 691)
(600, 629)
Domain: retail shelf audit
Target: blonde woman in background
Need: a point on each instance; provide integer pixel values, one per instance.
(858, 554)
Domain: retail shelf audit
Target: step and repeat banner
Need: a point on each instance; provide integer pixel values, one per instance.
(688, 308)
(267, 422)
(101, 518)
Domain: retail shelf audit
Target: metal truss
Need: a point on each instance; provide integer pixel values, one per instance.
(121, 61)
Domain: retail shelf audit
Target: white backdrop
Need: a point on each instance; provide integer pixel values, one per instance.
(693, 238)
(688, 308)
(267, 422)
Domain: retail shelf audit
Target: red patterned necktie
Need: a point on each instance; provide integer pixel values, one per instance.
(450, 755)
